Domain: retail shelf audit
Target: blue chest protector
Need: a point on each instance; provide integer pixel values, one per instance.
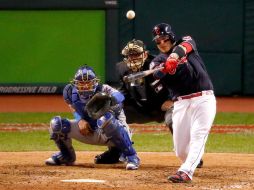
(71, 97)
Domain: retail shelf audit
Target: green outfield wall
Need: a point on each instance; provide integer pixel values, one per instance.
(222, 29)
(47, 47)
(44, 41)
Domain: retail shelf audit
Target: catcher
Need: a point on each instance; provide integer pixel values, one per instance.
(99, 120)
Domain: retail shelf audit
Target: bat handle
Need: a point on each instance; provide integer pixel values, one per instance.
(125, 79)
(158, 68)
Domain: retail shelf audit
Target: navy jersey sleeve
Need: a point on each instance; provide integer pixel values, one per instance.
(161, 58)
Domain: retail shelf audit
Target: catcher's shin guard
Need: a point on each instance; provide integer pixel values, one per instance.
(116, 133)
(120, 137)
(66, 156)
(59, 129)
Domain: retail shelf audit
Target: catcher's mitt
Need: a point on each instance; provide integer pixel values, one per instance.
(98, 105)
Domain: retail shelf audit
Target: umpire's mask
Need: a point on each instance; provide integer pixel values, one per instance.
(134, 54)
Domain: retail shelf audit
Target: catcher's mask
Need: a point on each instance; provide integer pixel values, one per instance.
(134, 54)
(85, 81)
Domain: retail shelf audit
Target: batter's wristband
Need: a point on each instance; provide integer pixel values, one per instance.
(179, 51)
(188, 47)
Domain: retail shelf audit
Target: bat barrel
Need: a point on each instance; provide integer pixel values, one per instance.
(138, 75)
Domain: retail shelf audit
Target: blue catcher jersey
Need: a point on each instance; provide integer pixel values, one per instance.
(72, 98)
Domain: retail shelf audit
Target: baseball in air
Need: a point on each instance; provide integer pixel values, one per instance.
(130, 14)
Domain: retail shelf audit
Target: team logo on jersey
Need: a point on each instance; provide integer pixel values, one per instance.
(187, 38)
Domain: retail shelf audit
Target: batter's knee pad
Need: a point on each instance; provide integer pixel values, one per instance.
(116, 133)
(59, 129)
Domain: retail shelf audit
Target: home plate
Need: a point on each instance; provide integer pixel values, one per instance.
(84, 180)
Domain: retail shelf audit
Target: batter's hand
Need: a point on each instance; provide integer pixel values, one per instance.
(166, 105)
(84, 127)
(170, 65)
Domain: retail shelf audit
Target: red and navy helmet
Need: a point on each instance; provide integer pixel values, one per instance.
(163, 29)
(85, 81)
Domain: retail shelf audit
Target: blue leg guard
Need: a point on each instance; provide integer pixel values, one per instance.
(116, 133)
(119, 136)
(59, 129)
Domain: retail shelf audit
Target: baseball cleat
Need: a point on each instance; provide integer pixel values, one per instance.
(111, 156)
(179, 177)
(57, 160)
(132, 166)
(133, 162)
(50, 162)
(200, 164)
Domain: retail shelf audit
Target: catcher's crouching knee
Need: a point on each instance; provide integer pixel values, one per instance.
(105, 120)
(59, 128)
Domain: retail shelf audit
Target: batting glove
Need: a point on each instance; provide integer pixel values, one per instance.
(171, 65)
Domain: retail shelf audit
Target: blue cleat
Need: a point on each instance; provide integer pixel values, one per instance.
(133, 162)
(58, 159)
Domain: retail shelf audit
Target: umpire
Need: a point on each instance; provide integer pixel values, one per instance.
(144, 96)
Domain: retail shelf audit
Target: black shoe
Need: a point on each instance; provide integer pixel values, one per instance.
(179, 177)
(200, 165)
(111, 156)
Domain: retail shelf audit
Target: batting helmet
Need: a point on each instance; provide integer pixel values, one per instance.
(163, 29)
(85, 81)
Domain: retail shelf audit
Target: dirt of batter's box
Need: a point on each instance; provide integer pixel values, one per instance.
(26, 170)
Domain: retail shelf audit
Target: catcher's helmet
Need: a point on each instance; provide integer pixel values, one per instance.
(85, 81)
(134, 54)
(163, 29)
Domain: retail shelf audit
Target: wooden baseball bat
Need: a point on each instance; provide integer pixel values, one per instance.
(139, 75)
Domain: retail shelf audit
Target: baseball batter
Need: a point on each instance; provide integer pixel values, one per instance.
(107, 127)
(192, 91)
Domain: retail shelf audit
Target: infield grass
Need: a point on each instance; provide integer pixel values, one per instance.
(221, 118)
(39, 140)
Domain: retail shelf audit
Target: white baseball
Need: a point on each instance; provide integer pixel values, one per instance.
(130, 14)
